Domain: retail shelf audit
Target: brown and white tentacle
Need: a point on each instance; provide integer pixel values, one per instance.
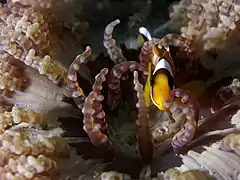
(109, 43)
(166, 41)
(94, 120)
(185, 112)
(77, 92)
(146, 53)
(144, 135)
(114, 89)
(177, 41)
(185, 45)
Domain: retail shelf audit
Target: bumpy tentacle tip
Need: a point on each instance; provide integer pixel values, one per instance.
(73, 85)
(117, 21)
(88, 51)
(135, 74)
(88, 48)
(104, 71)
(111, 25)
(166, 104)
(185, 99)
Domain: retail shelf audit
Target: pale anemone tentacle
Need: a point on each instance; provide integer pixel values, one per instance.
(190, 114)
(144, 135)
(109, 43)
(77, 92)
(94, 117)
(146, 53)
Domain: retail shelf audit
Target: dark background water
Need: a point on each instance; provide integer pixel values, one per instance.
(98, 18)
(123, 9)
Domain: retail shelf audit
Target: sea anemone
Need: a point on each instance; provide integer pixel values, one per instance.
(58, 124)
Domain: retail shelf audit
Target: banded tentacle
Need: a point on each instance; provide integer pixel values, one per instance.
(94, 120)
(77, 92)
(144, 134)
(109, 43)
(114, 89)
(187, 118)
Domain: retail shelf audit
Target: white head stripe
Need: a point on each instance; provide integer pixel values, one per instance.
(163, 64)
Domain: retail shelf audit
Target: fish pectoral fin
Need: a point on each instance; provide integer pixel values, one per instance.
(147, 88)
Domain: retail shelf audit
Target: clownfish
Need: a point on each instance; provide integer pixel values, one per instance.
(160, 80)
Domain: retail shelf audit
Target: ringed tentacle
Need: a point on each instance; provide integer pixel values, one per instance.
(176, 41)
(184, 44)
(114, 89)
(146, 53)
(190, 109)
(94, 120)
(109, 43)
(144, 135)
(77, 92)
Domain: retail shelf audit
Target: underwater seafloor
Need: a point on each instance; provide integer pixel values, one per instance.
(76, 78)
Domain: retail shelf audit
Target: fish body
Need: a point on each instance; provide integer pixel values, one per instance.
(161, 72)
(162, 83)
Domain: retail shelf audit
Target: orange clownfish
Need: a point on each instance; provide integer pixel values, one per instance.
(160, 80)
